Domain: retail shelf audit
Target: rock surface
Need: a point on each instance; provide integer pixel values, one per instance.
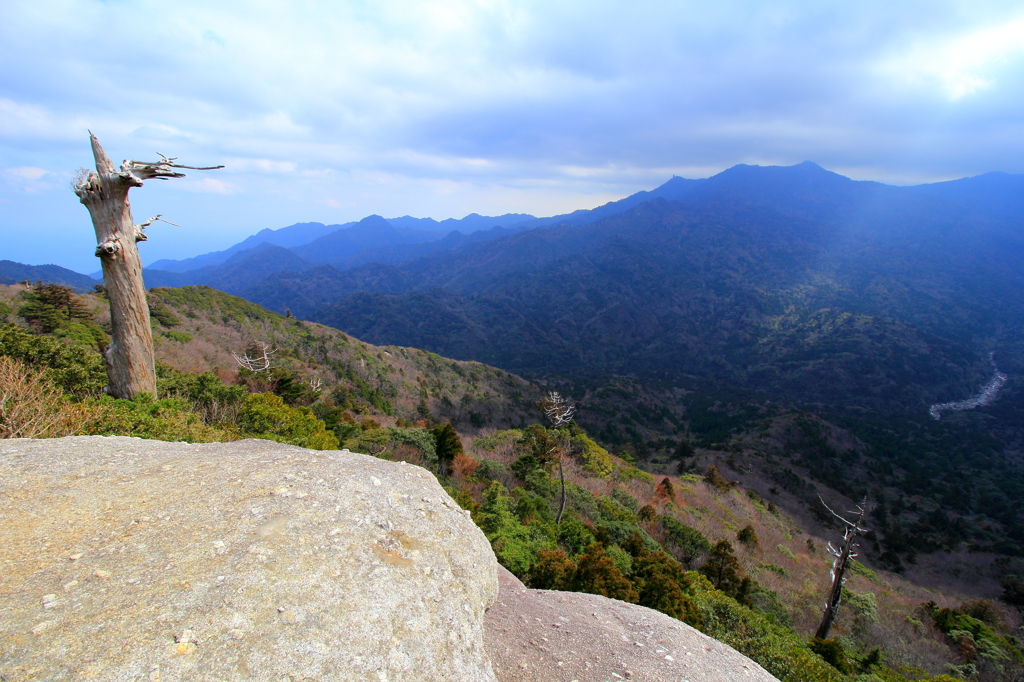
(547, 636)
(126, 559)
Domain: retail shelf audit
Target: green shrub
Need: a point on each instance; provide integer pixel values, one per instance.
(776, 648)
(661, 583)
(169, 420)
(833, 653)
(515, 545)
(596, 459)
(490, 470)
(688, 543)
(597, 573)
(265, 415)
(628, 473)
(420, 439)
(747, 536)
(215, 401)
(180, 337)
(552, 571)
(77, 370)
(447, 447)
(573, 535)
(499, 439)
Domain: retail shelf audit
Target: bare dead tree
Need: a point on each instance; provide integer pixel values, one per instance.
(844, 558)
(559, 412)
(129, 357)
(316, 384)
(256, 358)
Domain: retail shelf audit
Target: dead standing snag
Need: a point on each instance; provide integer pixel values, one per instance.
(845, 557)
(129, 357)
(560, 412)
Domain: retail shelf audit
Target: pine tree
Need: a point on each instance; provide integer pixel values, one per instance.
(49, 306)
(449, 446)
(724, 571)
(665, 490)
(715, 479)
(597, 574)
(553, 570)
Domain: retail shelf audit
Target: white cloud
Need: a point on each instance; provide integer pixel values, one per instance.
(209, 186)
(967, 63)
(28, 172)
(446, 107)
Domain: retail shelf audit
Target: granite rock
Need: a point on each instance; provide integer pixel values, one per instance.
(128, 559)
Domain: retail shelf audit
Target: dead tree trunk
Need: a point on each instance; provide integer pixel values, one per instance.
(560, 411)
(129, 357)
(844, 558)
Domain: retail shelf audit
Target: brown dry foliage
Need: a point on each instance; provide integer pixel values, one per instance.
(32, 407)
(464, 467)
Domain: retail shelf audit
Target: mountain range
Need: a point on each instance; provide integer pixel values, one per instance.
(797, 321)
(793, 280)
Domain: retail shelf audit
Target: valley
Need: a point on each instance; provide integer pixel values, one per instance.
(763, 340)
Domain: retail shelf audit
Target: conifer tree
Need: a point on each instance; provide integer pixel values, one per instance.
(449, 446)
(596, 573)
(724, 571)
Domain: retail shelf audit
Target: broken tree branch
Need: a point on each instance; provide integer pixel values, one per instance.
(259, 361)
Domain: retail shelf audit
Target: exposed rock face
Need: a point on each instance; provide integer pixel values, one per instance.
(127, 559)
(543, 635)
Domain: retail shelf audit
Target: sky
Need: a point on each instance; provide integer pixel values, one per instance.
(331, 111)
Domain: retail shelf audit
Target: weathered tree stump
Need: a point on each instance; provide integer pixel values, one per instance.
(129, 357)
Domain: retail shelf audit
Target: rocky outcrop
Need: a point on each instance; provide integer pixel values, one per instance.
(543, 635)
(127, 559)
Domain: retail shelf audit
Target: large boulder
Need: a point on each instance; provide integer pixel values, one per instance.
(128, 559)
(544, 635)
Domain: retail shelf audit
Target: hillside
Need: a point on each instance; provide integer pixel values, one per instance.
(716, 554)
(753, 296)
(11, 272)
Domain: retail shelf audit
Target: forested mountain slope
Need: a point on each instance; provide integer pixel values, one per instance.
(700, 548)
(757, 292)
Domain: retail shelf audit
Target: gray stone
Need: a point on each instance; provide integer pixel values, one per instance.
(127, 559)
(544, 635)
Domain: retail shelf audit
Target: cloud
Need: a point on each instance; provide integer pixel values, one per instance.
(209, 186)
(446, 107)
(968, 63)
(28, 172)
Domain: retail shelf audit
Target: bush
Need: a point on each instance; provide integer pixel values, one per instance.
(833, 654)
(265, 415)
(553, 570)
(32, 406)
(596, 573)
(447, 446)
(714, 479)
(688, 542)
(420, 439)
(596, 459)
(208, 396)
(661, 583)
(74, 369)
(515, 545)
(169, 419)
(724, 571)
(776, 648)
(747, 536)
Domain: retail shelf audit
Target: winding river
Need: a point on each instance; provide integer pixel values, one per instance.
(983, 397)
